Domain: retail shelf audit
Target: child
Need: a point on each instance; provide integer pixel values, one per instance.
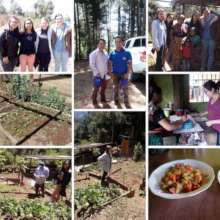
(187, 53)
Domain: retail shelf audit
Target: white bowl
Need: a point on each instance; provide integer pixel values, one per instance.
(155, 178)
(218, 176)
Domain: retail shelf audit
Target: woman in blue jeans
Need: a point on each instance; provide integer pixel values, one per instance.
(159, 37)
(62, 47)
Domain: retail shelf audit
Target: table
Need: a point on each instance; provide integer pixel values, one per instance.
(205, 206)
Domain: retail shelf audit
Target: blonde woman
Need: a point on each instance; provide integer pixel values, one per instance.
(44, 43)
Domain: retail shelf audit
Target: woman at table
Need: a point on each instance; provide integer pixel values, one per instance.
(159, 125)
(211, 89)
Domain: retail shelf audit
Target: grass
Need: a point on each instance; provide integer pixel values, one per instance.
(11, 188)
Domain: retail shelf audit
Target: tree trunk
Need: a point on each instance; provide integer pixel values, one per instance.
(76, 32)
(119, 18)
(87, 29)
(132, 19)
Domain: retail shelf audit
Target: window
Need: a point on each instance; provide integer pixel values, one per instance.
(143, 42)
(127, 44)
(137, 43)
(196, 93)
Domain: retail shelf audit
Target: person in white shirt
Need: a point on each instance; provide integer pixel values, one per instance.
(98, 62)
(105, 161)
(41, 174)
(159, 37)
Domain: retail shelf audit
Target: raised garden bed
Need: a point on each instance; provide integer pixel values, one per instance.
(127, 176)
(19, 121)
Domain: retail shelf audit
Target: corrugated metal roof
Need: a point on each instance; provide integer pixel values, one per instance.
(197, 2)
(40, 157)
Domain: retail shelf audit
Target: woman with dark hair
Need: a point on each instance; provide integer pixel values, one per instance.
(9, 45)
(169, 24)
(178, 33)
(62, 180)
(27, 47)
(158, 123)
(195, 23)
(211, 89)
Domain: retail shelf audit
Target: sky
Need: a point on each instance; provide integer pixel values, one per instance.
(165, 3)
(61, 6)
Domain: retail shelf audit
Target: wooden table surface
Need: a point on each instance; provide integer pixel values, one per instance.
(204, 206)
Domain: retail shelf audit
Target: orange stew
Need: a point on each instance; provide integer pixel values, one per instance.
(181, 179)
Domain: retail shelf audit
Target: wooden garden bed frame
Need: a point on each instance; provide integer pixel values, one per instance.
(51, 114)
(128, 192)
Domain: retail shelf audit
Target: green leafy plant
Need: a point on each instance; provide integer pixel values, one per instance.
(19, 86)
(95, 195)
(138, 152)
(34, 209)
(22, 89)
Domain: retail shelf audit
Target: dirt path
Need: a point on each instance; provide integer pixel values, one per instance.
(131, 174)
(3, 140)
(83, 88)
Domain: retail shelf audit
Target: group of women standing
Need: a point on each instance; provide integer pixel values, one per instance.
(185, 42)
(32, 48)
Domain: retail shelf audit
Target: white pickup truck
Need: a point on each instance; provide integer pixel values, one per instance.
(137, 47)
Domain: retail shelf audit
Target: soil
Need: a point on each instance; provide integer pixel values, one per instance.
(83, 90)
(19, 192)
(19, 122)
(55, 133)
(4, 141)
(133, 208)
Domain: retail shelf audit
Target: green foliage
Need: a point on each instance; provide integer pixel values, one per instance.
(15, 8)
(96, 152)
(20, 87)
(103, 127)
(138, 152)
(43, 8)
(52, 99)
(94, 195)
(2, 160)
(34, 209)
(2, 7)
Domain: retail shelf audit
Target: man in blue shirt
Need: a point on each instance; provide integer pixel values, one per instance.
(120, 62)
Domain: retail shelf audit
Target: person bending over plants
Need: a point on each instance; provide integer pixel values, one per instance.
(62, 181)
(105, 161)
